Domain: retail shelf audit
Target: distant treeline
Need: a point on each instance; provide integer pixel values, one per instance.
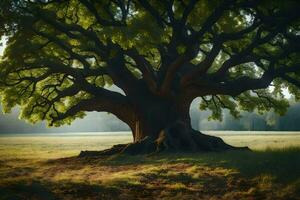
(93, 122)
(250, 121)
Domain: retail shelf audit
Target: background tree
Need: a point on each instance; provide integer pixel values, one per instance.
(62, 56)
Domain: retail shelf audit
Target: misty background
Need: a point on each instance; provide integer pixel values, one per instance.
(101, 122)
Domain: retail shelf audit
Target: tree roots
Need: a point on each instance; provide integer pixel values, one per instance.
(176, 138)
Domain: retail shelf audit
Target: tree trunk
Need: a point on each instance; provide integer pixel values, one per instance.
(172, 136)
(161, 126)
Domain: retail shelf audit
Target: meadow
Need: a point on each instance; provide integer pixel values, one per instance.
(46, 167)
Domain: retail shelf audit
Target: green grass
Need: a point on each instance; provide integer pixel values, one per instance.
(35, 168)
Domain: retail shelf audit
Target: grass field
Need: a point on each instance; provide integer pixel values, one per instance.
(45, 167)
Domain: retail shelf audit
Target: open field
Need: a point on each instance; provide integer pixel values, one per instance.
(42, 167)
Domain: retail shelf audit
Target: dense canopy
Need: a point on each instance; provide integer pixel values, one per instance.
(62, 56)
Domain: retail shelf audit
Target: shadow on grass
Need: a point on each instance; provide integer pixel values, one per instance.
(56, 190)
(283, 164)
(26, 190)
(226, 175)
(43, 190)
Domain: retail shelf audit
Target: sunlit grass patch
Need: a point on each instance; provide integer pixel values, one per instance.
(263, 173)
(177, 186)
(197, 171)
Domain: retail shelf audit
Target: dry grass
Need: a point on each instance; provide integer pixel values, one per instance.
(33, 168)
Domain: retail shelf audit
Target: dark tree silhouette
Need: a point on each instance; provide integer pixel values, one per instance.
(62, 56)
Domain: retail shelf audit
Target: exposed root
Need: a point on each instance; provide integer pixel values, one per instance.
(179, 137)
(176, 138)
(116, 149)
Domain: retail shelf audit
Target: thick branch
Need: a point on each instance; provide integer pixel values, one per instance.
(108, 101)
(211, 20)
(91, 7)
(147, 6)
(203, 66)
(145, 67)
(170, 75)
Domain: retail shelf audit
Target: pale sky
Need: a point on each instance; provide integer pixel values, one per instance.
(2, 43)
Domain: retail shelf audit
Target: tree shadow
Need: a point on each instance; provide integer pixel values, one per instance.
(26, 190)
(52, 190)
(187, 176)
(284, 164)
(12, 172)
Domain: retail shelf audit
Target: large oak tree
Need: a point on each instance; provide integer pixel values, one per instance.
(62, 56)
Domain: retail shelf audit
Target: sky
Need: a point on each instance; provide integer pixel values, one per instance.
(2, 43)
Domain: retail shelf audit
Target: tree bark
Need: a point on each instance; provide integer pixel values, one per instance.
(164, 126)
(173, 132)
